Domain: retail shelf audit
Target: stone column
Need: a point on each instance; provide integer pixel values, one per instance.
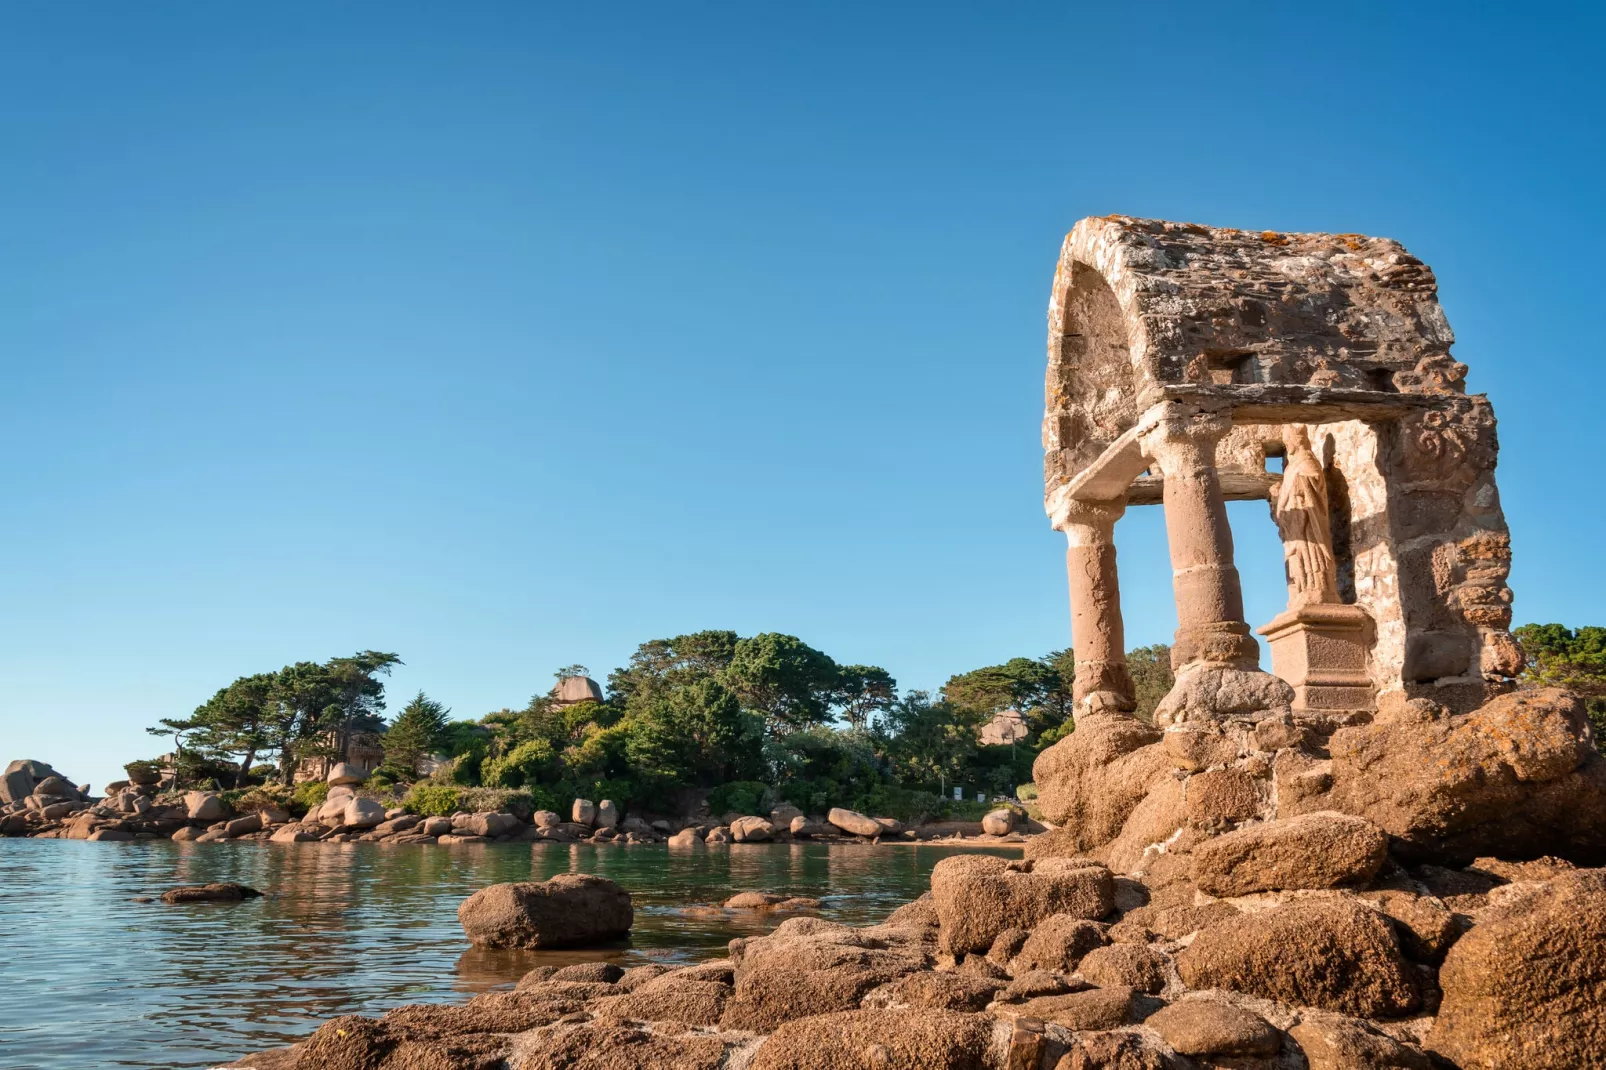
(1097, 634)
(1210, 602)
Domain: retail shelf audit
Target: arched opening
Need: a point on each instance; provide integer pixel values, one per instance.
(1092, 386)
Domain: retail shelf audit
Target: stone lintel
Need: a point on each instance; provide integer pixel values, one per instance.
(1119, 474)
(1274, 403)
(1236, 486)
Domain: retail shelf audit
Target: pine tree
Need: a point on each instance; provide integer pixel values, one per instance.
(416, 732)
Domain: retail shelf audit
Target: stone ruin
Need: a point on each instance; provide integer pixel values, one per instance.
(1180, 360)
(1274, 875)
(1183, 362)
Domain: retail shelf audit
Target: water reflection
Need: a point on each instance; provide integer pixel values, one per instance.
(344, 928)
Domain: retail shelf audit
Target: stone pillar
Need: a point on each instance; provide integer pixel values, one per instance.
(1210, 602)
(1097, 634)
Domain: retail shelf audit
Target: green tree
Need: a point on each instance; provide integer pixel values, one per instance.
(930, 744)
(302, 700)
(1040, 688)
(695, 734)
(861, 692)
(1150, 667)
(418, 731)
(233, 725)
(783, 678)
(1574, 658)
(359, 697)
(660, 663)
(303, 710)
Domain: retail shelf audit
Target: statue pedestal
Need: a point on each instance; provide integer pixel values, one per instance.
(1321, 651)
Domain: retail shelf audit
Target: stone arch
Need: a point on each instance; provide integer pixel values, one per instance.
(1177, 351)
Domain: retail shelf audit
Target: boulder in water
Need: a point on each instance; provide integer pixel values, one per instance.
(570, 910)
(210, 893)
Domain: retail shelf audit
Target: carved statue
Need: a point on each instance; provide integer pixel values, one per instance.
(1302, 517)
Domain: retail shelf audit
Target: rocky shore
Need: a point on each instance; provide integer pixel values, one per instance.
(1256, 891)
(1336, 959)
(35, 801)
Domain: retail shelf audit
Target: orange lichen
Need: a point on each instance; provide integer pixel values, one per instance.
(1271, 237)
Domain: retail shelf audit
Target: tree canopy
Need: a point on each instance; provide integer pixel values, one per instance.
(766, 714)
(304, 710)
(418, 731)
(1574, 658)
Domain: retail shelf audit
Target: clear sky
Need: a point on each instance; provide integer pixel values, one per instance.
(506, 335)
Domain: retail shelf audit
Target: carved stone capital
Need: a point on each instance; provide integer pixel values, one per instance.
(1182, 441)
(1087, 521)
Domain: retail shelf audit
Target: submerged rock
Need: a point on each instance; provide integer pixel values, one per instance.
(210, 893)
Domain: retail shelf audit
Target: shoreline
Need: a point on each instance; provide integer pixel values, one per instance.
(50, 807)
(978, 842)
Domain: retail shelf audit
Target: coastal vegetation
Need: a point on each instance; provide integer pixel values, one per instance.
(1574, 658)
(743, 723)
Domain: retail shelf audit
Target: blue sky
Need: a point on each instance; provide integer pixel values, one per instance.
(505, 335)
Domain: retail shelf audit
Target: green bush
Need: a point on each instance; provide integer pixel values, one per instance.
(908, 805)
(395, 774)
(308, 796)
(250, 800)
(521, 804)
(1026, 792)
(740, 796)
(520, 766)
(432, 800)
(466, 767)
(146, 768)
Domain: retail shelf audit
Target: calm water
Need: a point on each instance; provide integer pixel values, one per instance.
(89, 978)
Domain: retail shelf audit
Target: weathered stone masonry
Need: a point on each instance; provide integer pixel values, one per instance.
(1180, 357)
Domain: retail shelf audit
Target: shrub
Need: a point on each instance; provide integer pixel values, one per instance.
(971, 810)
(149, 770)
(432, 800)
(522, 765)
(250, 800)
(308, 796)
(1026, 792)
(818, 795)
(465, 768)
(740, 796)
(521, 804)
(908, 805)
(395, 774)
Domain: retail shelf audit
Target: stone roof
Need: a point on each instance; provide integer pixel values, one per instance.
(1144, 311)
